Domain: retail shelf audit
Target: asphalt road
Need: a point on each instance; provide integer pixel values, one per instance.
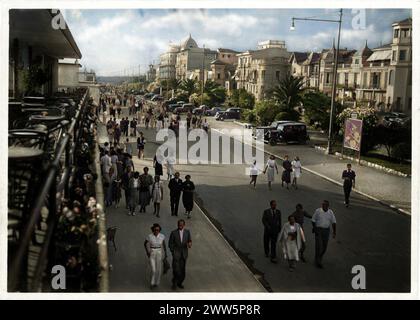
(368, 233)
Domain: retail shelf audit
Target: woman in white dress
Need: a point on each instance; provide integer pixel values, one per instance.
(156, 190)
(291, 238)
(297, 171)
(156, 252)
(269, 168)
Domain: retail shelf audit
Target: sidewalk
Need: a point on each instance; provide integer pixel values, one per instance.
(391, 190)
(212, 265)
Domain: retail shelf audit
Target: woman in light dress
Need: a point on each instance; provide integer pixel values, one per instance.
(291, 239)
(297, 171)
(156, 190)
(269, 168)
(156, 252)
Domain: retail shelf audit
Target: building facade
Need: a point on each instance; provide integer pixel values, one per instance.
(258, 71)
(191, 58)
(167, 64)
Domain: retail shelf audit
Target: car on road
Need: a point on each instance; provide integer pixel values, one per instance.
(283, 131)
(231, 113)
(186, 107)
(212, 112)
(200, 110)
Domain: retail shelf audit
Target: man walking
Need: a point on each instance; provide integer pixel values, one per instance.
(175, 186)
(272, 225)
(349, 177)
(322, 220)
(179, 243)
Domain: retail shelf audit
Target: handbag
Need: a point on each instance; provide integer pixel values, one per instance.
(166, 265)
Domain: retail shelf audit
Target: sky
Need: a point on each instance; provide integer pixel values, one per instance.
(124, 42)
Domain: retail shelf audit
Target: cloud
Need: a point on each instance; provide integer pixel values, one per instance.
(112, 41)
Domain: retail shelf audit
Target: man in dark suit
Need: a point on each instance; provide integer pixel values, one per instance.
(179, 243)
(175, 186)
(349, 182)
(272, 225)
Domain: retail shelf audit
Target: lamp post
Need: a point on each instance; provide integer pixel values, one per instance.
(202, 69)
(334, 84)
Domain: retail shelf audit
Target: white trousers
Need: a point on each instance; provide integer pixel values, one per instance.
(156, 265)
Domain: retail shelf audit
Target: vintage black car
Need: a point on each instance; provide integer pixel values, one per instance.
(283, 132)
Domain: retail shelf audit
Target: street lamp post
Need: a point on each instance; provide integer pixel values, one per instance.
(202, 69)
(334, 85)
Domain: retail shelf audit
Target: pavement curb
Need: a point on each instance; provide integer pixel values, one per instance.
(230, 246)
(367, 163)
(392, 206)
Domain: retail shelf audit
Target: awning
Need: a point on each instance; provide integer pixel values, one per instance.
(34, 27)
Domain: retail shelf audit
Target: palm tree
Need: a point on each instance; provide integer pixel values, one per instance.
(288, 94)
(216, 93)
(174, 84)
(189, 86)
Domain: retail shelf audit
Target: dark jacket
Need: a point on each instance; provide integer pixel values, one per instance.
(175, 187)
(271, 224)
(179, 250)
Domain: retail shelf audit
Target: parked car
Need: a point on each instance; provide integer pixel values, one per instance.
(157, 97)
(283, 132)
(186, 107)
(390, 118)
(212, 112)
(172, 107)
(149, 95)
(200, 110)
(168, 102)
(231, 113)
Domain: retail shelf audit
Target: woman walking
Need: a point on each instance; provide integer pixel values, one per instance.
(291, 239)
(110, 190)
(156, 190)
(156, 252)
(253, 173)
(269, 168)
(287, 169)
(116, 190)
(140, 146)
(188, 188)
(297, 171)
(158, 167)
(133, 187)
(146, 181)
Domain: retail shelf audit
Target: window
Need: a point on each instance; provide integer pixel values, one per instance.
(228, 55)
(356, 61)
(278, 75)
(218, 76)
(262, 74)
(394, 53)
(294, 70)
(355, 79)
(223, 55)
(365, 79)
(396, 32)
(403, 55)
(328, 78)
(391, 73)
(405, 33)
